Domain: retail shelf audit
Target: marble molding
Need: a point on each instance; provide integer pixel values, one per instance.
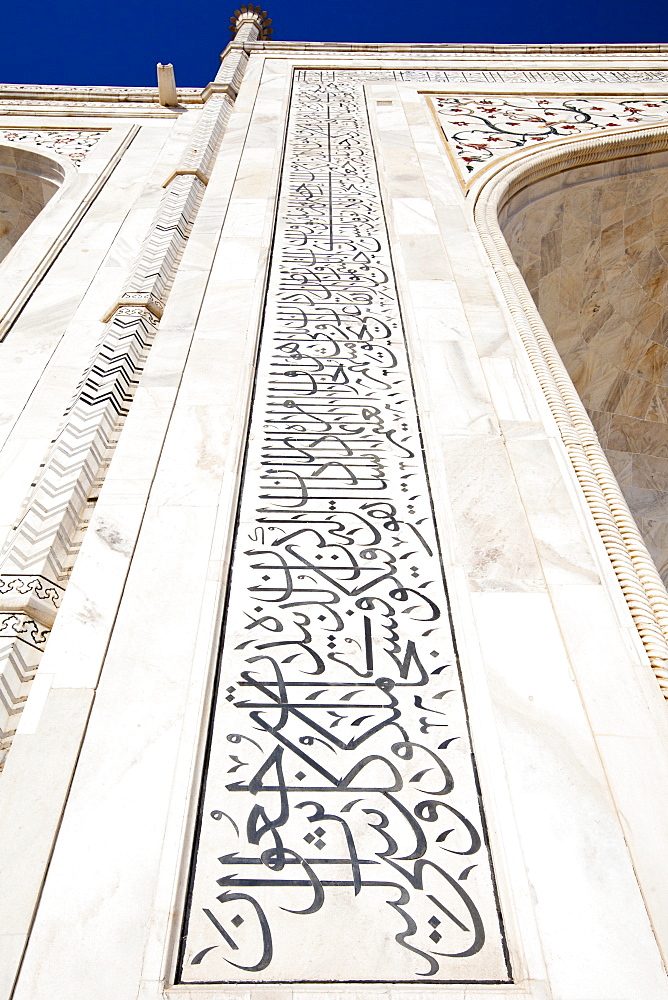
(78, 187)
(82, 95)
(141, 101)
(39, 555)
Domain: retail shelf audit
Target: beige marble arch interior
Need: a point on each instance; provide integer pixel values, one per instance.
(27, 182)
(592, 245)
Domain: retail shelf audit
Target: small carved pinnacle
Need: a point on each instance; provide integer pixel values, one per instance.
(252, 12)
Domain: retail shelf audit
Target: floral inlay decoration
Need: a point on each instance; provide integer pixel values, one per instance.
(75, 144)
(479, 130)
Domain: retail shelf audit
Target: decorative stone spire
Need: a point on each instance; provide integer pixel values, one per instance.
(250, 24)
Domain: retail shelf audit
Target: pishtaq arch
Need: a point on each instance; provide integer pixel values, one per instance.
(28, 181)
(332, 659)
(591, 244)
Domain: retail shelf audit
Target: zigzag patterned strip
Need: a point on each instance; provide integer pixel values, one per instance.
(42, 542)
(18, 665)
(43, 539)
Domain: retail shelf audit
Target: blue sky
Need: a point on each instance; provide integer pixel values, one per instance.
(104, 42)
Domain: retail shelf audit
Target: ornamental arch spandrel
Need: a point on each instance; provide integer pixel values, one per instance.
(576, 235)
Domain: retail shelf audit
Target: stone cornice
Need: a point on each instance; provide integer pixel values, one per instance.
(464, 48)
(444, 53)
(226, 89)
(109, 95)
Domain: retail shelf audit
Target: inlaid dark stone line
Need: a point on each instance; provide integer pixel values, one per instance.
(341, 817)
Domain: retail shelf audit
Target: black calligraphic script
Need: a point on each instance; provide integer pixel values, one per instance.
(341, 835)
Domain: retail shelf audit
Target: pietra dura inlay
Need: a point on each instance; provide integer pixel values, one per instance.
(75, 144)
(341, 834)
(468, 76)
(480, 130)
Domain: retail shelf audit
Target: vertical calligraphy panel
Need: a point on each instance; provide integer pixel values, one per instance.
(341, 836)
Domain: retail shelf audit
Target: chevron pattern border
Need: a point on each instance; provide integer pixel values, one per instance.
(34, 565)
(22, 641)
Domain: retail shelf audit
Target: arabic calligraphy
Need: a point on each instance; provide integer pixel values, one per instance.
(461, 77)
(75, 144)
(341, 835)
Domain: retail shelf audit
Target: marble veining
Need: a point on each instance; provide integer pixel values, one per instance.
(28, 181)
(341, 834)
(592, 246)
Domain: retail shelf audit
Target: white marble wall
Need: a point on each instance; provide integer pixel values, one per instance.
(43, 357)
(569, 728)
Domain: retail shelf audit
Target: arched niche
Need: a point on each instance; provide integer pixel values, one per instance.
(28, 181)
(591, 243)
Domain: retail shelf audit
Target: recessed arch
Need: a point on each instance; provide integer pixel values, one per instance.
(532, 186)
(28, 181)
(592, 246)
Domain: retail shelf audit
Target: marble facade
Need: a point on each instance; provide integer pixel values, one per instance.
(332, 659)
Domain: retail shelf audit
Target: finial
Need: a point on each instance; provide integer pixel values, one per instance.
(249, 15)
(167, 95)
